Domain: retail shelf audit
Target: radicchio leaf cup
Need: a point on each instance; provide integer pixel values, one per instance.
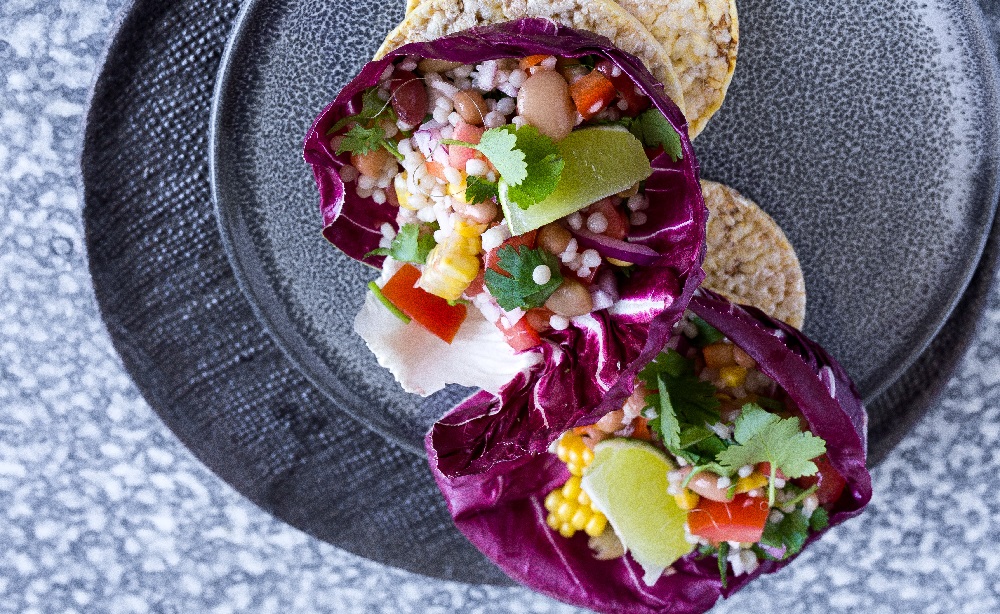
(501, 509)
(591, 365)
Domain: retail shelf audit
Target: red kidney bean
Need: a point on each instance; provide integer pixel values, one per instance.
(409, 97)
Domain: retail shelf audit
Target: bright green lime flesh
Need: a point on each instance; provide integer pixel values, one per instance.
(627, 481)
(600, 161)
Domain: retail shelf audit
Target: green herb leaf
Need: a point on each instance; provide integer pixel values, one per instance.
(479, 190)
(361, 140)
(819, 520)
(685, 406)
(372, 107)
(411, 245)
(653, 129)
(764, 437)
(723, 554)
(499, 145)
(519, 288)
(378, 251)
(790, 533)
(707, 334)
(391, 146)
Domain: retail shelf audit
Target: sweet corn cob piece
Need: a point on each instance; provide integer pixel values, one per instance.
(572, 451)
(569, 507)
(451, 266)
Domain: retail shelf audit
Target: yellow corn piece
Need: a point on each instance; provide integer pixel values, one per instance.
(574, 452)
(566, 510)
(583, 498)
(451, 266)
(402, 195)
(553, 500)
(752, 482)
(686, 499)
(567, 530)
(733, 376)
(454, 189)
(468, 230)
(596, 525)
(571, 489)
(580, 518)
(618, 262)
(553, 522)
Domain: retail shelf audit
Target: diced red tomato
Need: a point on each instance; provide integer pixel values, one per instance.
(637, 102)
(586, 280)
(477, 285)
(436, 169)
(830, 484)
(538, 318)
(765, 468)
(521, 336)
(430, 311)
(527, 239)
(458, 155)
(592, 94)
(740, 520)
(641, 426)
(618, 223)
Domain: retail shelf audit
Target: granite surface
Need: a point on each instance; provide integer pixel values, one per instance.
(103, 510)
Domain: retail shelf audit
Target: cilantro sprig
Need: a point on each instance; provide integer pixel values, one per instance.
(764, 437)
(529, 163)
(519, 290)
(366, 133)
(653, 129)
(411, 244)
(479, 190)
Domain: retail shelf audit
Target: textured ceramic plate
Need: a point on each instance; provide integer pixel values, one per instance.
(867, 130)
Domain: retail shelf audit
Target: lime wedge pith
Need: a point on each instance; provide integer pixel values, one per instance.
(627, 482)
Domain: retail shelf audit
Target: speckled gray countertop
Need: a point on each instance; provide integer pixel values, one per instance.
(103, 510)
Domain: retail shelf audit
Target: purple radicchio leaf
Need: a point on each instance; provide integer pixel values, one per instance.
(501, 510)
(589, 368)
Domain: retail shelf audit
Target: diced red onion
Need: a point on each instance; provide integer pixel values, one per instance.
(619, 250)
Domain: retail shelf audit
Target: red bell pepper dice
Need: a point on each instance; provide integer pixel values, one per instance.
(592, 94)
(740, 520)
(430, 311)
(829, 483)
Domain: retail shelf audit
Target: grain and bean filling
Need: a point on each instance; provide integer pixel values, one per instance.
(745, 480)
(477, 160)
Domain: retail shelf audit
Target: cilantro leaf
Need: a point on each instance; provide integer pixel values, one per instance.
(409, 245)
(819, 520)
(519, 288)
(479, 190)
(681, 398)
(529, 162)
(372, 107)
(361, 140)
(723, 555)
(789, 533)
(707, 334)
(653, 129)
(764, 437)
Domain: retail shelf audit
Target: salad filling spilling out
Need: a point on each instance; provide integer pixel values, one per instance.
(742, 442)
(532, 201)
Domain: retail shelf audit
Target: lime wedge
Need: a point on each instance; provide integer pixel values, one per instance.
(627, 482)
(600, 161)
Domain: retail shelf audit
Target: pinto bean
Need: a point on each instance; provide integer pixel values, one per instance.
(612, 421)
(372, 163)
(427, 65)
(706, 484)
(570, 299)
(471, 106)
(544, 102)
(553, 238)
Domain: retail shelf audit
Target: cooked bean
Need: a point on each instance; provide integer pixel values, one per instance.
(544, 102)
(706, 484)
(612, 421)
(553, 238)
(480, 213)
(743, 359)
(427, 65)
(471, 106)
(373, 163)
(570, 299)
(409, 97)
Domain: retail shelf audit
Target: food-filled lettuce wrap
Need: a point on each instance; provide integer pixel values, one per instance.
(532, 200)
(743, 443)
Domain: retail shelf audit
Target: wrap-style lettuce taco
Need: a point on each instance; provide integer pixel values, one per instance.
(743, 442)
(532, 200)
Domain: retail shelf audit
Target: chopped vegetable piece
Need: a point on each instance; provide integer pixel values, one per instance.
(591, 94)
(618, 223)
(532, 60)
(517, 287)
(653, 129)
(430, 311)
(740, 520)
(636, 101)
(528, 239)
(789, 533)
(388, 304)
(829, 483)
(451, 266)
(521, 336)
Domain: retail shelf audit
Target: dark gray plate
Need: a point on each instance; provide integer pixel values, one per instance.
(190, 340)
(868, 130)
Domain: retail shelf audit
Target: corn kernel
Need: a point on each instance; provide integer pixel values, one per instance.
(618, 262)
(575, 468)
(566, 510)
(596, 525)
(451, 267)
(583, 498)
(574, 457)
(567, 530)
(402, 195)
(580, 518)
(457, 188)
(553, 522)
(562, 450)
(587, 456)
(733, 376)
(469, 231)
(686, 499)
(752, 482)
(553, 499)
(571, 488)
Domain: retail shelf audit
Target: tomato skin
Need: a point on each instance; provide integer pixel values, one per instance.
(458, 155)
(740, 520)
(521, 336)
(430, 311)
(618, 223)
(592, 94)
(625, 87)
(527, 239)
(830, 484)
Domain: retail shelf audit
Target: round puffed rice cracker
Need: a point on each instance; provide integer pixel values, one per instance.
(749, 260)
(702, 39)
(433, 19)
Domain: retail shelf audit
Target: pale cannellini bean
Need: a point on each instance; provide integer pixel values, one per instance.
(706, 484)
(428, 65)
(612, 421)
(544, 102)
(553, 238)
(471, 106)
(570, 299)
